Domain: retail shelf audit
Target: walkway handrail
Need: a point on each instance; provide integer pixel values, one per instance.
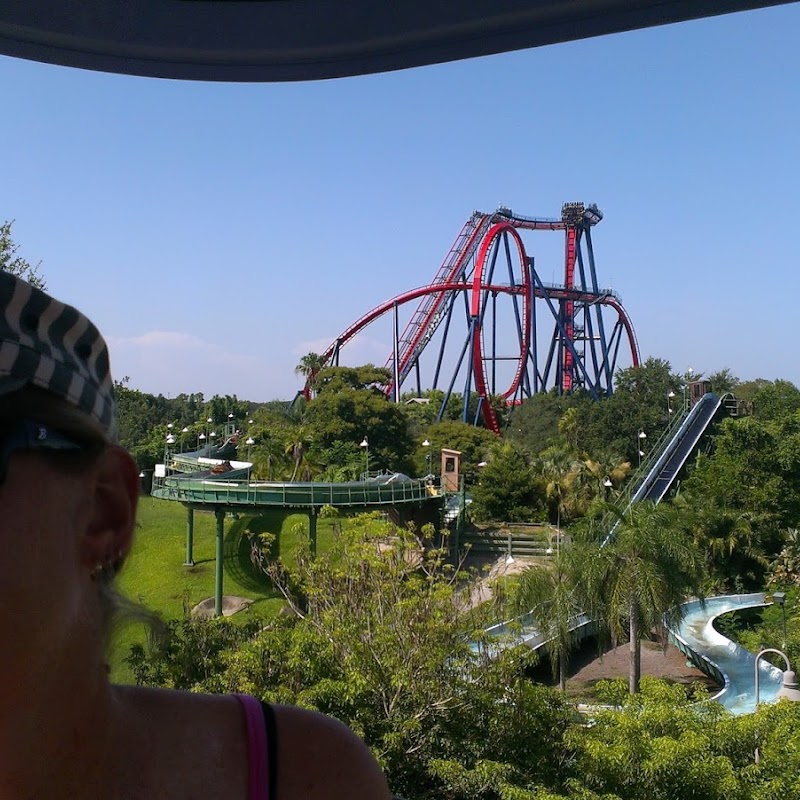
(217, 492)
(640, 476)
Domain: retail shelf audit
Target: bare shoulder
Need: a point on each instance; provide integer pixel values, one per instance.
(180, 744)
(320, 758)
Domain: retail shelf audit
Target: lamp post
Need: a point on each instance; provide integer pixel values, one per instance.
(427, 445)
(606, 487)
(170, 441)
(250, 441)
(204, 435)
(365, 445)
(670, 396)
(780, 599)
(689, 373)
(184, 431)
(789, 689)
(641, 436)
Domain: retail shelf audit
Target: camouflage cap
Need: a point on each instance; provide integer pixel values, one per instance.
(53, 346)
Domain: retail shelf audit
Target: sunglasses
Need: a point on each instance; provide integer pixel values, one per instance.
(27, 435)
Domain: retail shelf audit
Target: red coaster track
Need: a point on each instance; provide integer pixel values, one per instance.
(565, 347)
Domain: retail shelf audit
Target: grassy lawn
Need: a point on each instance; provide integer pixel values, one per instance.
(155, 576)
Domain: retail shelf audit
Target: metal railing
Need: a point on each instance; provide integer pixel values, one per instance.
(623, 500)
(216, 492)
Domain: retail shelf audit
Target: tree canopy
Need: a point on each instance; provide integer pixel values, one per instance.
(11, 261)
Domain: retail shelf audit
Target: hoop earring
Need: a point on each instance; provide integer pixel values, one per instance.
(106, 569)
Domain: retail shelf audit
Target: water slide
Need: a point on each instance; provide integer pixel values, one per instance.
(669, 463)
(727, 662)
(670, 454)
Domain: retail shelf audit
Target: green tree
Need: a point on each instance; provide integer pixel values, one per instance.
(728, 540)
(754, 470)
(592, 474)
(473, 443)
(550, 595)
(776, 401)
(643, 572)
(296, 447)
(506, 490)
(373, 635)
(659, 746)
(225, 409)
(723, 381)
(535, 424)
(11, 262)
(424, 409)
(339, 418)
(309, 367)
(640, 402)
(785, 568)
(367, 377)
(557, 466)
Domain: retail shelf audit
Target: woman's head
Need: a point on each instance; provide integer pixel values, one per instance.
(58, 425)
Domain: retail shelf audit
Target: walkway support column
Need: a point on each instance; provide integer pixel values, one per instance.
(312, 532)
(219, 513)
(189, 537)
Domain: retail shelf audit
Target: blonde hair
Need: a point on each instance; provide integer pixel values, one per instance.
(42, 406)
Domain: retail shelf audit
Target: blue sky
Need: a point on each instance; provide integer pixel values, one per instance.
(217, 232)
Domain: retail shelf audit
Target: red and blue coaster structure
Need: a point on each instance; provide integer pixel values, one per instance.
(489, 325)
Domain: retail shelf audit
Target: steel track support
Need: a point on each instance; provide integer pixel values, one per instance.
(449, 391)
(567, 341)
(599, 310)
(473, 329)
(450, 307)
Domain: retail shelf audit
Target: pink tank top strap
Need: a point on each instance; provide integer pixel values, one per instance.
(257, 748)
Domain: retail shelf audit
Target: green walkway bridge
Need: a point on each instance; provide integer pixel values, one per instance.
(385, 490)
(190, 480)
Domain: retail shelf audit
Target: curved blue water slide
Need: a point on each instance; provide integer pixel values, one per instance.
(723, 659)
(696, 637)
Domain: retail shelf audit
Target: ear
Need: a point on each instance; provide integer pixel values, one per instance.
(112, 519)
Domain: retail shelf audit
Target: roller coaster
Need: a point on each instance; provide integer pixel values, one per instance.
(481, 325)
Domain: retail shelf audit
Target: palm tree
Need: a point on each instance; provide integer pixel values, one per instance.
(268, 456)
(726, 536)
(590, 476)
(549, 595)
(785, 569)
(309, 366)
(556, 466)
(642, 575)
(296, 447)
